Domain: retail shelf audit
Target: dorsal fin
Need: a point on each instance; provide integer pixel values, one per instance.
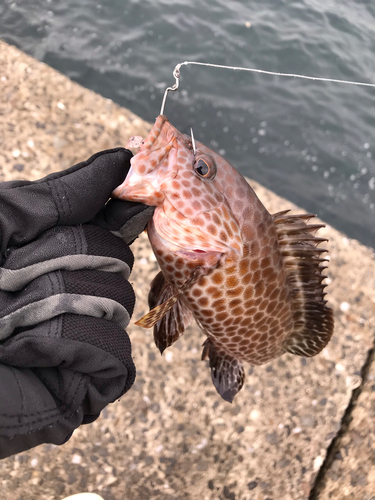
(313, 320)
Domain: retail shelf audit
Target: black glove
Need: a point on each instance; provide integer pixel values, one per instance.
(64, 299)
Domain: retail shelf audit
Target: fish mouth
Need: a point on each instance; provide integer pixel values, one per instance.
(201, 257)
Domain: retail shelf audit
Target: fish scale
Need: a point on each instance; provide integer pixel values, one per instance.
(253, 281)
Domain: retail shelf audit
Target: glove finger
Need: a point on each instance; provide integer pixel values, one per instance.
(84, 362)
(65, 248)
(43, 346)
(105, 335)
(99, 285)
(125, 219)
(87, 292)
(72, 196)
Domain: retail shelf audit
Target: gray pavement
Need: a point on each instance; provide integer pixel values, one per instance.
(172, 437)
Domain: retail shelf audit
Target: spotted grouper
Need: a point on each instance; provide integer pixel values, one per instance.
(253, 281)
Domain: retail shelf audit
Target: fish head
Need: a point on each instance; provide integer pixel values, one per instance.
(187, 185)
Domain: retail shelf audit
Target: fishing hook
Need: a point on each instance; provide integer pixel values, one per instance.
(193, 141)
(176, 74)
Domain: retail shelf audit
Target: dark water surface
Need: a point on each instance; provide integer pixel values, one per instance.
(311, 142)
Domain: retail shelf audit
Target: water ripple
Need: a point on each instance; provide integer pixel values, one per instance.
(310, 142)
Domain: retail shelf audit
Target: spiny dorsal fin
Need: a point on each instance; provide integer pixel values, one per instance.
(313, 320)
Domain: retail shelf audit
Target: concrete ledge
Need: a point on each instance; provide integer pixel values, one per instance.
(172, 437)
(48, 123)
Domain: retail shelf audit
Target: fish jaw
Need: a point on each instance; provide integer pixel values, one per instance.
(150, 170)
(139, 188)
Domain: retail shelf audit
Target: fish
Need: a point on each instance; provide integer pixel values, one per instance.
(253, 281)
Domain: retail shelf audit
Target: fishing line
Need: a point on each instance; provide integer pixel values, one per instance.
(176, 74)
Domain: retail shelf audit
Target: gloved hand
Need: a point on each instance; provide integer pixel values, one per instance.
(64, 299)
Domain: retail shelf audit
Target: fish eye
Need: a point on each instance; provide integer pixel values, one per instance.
(204, 166)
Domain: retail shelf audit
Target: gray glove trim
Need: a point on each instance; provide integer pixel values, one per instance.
(42, 310)
(130, 231)
(12, 280)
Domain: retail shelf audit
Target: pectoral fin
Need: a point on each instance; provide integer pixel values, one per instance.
(227, 372)
(169, 315)
(156, 288)
(155, 315)
(173, 323)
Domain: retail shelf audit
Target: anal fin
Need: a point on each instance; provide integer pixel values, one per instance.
(227, 372)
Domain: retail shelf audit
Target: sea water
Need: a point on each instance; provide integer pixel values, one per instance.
(311, 142)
